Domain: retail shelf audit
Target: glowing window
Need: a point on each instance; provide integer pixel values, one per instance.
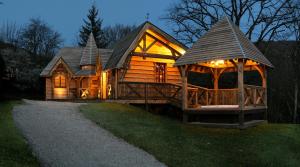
(160, 72)
(60, 81)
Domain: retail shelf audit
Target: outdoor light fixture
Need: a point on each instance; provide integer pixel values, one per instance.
(217, 62)
(85, 94)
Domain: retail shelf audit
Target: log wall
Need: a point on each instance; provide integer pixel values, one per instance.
(48, 89)
(142, 70)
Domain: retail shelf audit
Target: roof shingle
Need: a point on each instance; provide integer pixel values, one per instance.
(223, 41)
(89, 52)
(71, 56)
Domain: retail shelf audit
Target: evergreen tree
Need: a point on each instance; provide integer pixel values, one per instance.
(92, 24)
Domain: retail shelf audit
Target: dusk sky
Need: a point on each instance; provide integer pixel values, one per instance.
(66, 16)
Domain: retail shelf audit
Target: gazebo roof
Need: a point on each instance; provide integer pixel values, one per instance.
(224, 41)
(90, 52)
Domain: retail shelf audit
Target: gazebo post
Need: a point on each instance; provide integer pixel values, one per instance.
(216, 85)
(240, 66)
(184, 91)
(264, 84)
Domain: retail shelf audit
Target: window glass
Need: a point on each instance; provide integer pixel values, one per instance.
(60, 81)
(160, 72)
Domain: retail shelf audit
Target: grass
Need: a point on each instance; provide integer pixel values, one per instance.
(13, 148)
(180, 145)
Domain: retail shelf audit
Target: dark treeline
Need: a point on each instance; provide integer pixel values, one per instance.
(26, 49)
(283, 80)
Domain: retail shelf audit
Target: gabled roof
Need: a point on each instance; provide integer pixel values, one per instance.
(223, 41)
(90, 52)
(104, 55)
(123, 47)
(71, 56)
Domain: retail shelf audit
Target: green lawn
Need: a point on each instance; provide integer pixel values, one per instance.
(180, 145)
(13, 148)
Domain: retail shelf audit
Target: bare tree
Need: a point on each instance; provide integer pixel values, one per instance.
(38, 38)
(295, 62)
(114, 33)
(10, 33)
(259, 19)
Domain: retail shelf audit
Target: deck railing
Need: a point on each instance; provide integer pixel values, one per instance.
(203, 96)
(197, 96)
(254, 95)
(149, 91)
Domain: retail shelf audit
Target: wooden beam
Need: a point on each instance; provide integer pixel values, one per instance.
(152, 55)
(164, 44)
(146, 96)
(261, 71)
(150, 45)
(116, 84)
(240, 68)
(196, 68)
(144, 43)
(234, 64)
(266, 92)
(216, 85)
(184, 86)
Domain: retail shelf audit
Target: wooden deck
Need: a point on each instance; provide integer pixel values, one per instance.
(198, 98)
(201, 102)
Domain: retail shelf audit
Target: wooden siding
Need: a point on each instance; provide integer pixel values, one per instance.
(48, 89)
(142, 70)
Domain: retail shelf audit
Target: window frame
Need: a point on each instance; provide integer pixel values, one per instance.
(60, 84)
(160, 71)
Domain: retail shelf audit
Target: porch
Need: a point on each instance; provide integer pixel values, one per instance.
(199, 99)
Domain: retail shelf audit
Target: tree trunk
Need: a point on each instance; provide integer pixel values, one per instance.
(295, 114)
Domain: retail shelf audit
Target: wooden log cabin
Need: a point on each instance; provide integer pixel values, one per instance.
(149, 66)
(77, 73)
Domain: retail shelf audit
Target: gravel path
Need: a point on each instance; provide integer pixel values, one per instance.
(60, 136)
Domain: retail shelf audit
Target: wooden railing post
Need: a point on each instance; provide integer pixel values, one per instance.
(146, 96)
(265, 100)
(264, 84)
(184, 87)
(241, 99)
(216, 85)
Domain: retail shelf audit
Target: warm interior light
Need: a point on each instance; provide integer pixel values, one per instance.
(85, 94)
(217, 63)
(159, 47)
(109, 90)
(104, 84)
(60, 93)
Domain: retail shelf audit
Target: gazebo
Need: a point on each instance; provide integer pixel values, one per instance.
(224, 48)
